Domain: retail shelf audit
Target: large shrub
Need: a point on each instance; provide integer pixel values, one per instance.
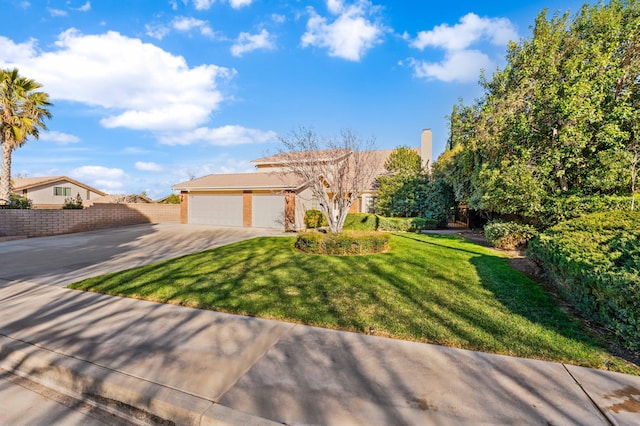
(314, 219)
(595, 262)
(18, 202)
(508, 235)
(343, 244)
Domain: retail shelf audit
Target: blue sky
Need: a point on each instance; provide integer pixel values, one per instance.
(149, 93)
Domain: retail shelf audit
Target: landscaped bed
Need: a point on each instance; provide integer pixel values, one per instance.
(428, 288)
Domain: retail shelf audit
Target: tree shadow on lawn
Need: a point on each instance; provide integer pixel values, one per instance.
(557, 336)
(485, 306)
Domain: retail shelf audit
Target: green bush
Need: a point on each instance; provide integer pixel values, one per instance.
(508, 235)
(343, 244)
(18, 202)
(406, 224)
(595, 262)
(314, 219)
(361, 222)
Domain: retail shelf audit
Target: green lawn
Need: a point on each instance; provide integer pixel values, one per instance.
(428, 288)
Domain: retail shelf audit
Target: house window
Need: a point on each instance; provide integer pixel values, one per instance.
(64, 191)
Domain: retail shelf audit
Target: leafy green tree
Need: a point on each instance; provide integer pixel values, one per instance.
(403, 161)
(559, 120)
(402, 189)
(22, 112)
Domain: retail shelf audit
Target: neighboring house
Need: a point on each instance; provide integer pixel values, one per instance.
(50, 192)
(268, 197)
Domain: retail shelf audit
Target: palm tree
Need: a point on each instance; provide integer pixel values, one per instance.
(22, 113)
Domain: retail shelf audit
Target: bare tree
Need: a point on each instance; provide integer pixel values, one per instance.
(336, 170)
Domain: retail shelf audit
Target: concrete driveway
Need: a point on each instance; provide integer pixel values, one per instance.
(62, 259)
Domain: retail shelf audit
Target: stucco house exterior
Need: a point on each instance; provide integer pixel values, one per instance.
(267, 198)
(49, 192)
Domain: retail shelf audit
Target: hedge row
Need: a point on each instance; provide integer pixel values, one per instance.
(372, 222)
(595, 262)
(343, 244)
(407, 224)
(361, 222)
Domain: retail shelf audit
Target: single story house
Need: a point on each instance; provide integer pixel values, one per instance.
(268, 197)
(50, 192)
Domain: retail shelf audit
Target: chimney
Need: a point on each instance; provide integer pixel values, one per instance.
(426, 148)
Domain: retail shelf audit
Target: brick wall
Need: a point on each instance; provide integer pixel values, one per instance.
(41, 223)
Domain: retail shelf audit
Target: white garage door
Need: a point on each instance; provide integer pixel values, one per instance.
(268, 211)
(221, 210)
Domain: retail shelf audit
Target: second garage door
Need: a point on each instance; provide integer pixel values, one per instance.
(220, 210)
(268, 211)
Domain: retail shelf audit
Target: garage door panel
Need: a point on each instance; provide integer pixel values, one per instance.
(267, 211)
(219, 210)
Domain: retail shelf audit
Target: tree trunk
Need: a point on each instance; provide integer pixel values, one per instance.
(5, 175)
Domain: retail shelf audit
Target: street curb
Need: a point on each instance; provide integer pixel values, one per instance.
(129, 395)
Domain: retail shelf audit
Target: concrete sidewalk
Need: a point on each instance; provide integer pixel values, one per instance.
(191, 366)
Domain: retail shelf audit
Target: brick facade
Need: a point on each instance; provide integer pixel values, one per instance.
(41, 223)
(184, 207)
(247, 209)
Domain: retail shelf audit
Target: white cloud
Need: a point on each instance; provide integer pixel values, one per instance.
(56, 12)
(85, 7)
(104, 178)
(182, 23)
(134, 150)
(206, 4)
(237, 4)
(12, 53)
(278, 19)
(148, 166)
(458, 66)
(221, 136)
(471, 29)
(158, 31)
(203, 4)
(335, 6)
(460, 63)
(350, 35)
(248, 42)
(58, 137)
(139, 85)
